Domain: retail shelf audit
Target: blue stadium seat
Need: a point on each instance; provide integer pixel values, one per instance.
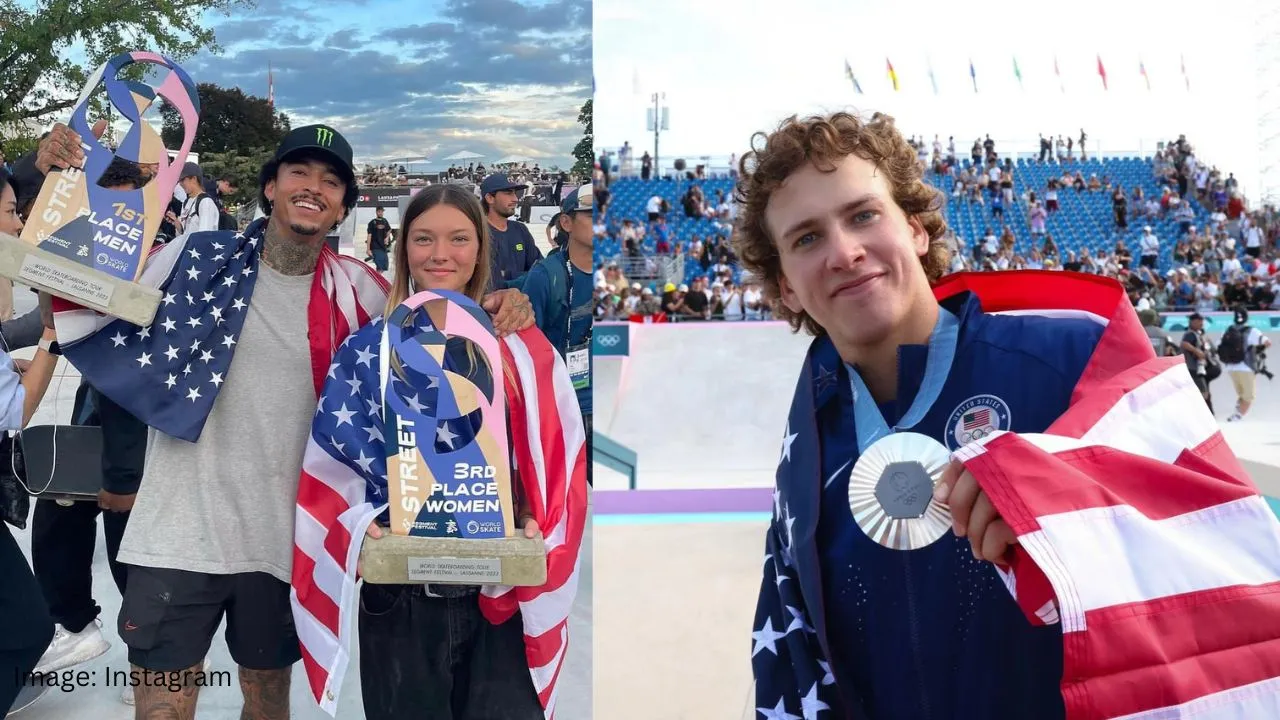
(1085, 221)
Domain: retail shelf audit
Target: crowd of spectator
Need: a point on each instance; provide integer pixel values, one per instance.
(1223, 257)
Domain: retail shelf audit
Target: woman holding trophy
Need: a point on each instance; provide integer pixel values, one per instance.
(427, 396)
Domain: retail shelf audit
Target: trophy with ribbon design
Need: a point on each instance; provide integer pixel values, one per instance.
(87, 243)
(891, 491)
(449, 483)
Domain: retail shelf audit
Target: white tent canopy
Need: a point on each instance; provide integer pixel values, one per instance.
(464, 155)
(513, 160)
(406, 160)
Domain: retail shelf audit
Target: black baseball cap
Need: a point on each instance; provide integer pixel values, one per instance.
(498, 182)
(323, 139)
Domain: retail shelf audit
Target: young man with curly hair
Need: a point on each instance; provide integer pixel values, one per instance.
(849, 243)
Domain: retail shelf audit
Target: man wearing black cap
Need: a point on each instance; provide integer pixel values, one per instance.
(200, 211)
(514, 251)
(1195, 349)
(211, 534)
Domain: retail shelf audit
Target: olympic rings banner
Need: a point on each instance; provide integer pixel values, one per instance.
(611, 340)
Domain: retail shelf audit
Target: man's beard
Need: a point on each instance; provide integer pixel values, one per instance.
(306, 230)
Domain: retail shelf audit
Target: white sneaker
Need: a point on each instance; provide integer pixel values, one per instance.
(1234, 417)
(127, 698)
(68, 649)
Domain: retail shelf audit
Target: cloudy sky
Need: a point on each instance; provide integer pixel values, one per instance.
(728, 71)
(407, 77)
(416, 77)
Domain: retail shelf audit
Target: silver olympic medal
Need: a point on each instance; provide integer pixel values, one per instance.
(891, 491)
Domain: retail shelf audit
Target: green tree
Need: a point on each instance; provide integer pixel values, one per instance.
(584, 151)
(242, 166)
(229, 121)
(37, 75)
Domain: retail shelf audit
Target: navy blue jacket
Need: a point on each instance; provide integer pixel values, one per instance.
(873, 633)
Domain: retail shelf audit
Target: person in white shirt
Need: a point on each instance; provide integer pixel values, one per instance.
(753, 298)
(654, 207)
(1231, 265)
(1148, 247)
(1253, 241)
(1242, 370)
(1206, 293)
(199, 211)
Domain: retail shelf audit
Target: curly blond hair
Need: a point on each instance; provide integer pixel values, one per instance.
(824, 141)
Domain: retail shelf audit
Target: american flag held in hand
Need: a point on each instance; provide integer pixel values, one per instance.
(1139, 533)
(343, 488)
(168, 374)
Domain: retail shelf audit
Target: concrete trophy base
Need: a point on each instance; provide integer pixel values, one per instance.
(25, 263)
(402, 560)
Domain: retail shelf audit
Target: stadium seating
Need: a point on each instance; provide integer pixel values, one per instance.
(1085, 220)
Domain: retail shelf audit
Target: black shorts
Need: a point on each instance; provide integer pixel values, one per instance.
(169, 617)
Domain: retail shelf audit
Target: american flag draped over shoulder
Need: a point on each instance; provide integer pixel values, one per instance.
(1139, 531)
(343, 488)
(789, 663)
(168, 374)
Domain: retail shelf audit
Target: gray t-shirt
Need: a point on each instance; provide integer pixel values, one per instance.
(225, 504)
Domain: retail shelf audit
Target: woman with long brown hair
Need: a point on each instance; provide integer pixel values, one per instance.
(457, 652)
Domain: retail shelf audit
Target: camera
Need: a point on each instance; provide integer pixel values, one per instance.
(1260, 356)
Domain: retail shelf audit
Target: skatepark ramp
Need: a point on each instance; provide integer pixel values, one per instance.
(701, 404)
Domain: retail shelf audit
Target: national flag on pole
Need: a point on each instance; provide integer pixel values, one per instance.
(973, 75)
(169, 373)
(1139, 532)
(344, 487)
(893, 74)
(933, 80)
(1102, 72)
(848, 72)
(1142, 69)
(271, 88)
(1017, 72)
(1185, 78)
(1058, 73)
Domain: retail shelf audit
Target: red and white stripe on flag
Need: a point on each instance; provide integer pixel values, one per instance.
(1140, 532)
(549, 444)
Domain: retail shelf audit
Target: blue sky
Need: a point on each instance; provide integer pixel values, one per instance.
(408, 77)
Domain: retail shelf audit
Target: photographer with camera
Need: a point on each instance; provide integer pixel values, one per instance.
(1199, 356)
(1240, 350)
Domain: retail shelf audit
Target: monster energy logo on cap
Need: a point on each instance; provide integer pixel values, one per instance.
(324, 136)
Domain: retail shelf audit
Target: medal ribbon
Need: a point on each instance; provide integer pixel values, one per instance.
(867, 417)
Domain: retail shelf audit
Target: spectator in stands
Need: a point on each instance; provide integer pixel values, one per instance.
(649, 304)
(1120, 209)
(1207, 293)
(1051, 196)
(1036, 216)
(1148, 247)
(1094, 184)
(1123, 257)
(656, 208)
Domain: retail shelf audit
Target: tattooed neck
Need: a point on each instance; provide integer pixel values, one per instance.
(287, 255)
